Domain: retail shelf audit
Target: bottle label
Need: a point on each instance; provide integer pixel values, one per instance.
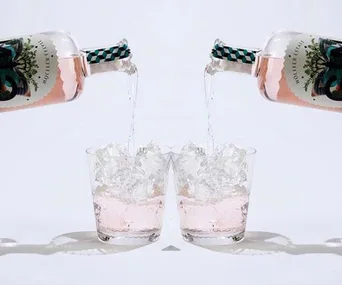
(28, 70)
(313, 70)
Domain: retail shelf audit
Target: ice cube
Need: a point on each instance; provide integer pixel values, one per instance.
(229, 175)
(224, 171)
(140, 193)
(122, 183)
(129, 179)
(202, 193)
(186, 165)
(232, 160)
(119, 181)
(149, 149)
(191, 160)
(186, 187)
(151, 160)
(153, 163)
(213, 177)
(110, 151)
(217, 182)
(233, 153)
(111, 160)
(209, 190)
(192, 150)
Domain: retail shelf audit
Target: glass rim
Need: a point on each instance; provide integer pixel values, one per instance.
(249, 152)
(91, 151)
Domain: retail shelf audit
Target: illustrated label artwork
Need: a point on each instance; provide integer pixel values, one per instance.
(313, 70)
(28, 70)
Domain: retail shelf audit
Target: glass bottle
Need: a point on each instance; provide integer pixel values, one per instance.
(293, 68)
(49, 68)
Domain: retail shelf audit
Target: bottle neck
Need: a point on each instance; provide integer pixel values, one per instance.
(226, 58)
(105, 59)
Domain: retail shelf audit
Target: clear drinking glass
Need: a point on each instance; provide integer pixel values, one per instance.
(128, 194)
(213, 193)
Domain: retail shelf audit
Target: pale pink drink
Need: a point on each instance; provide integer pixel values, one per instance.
(208, 222)
(127, 221)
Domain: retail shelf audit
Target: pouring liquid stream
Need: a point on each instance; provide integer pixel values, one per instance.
(209, 82)
(132, 96)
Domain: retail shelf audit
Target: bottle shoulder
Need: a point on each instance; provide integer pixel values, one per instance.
(65, 44)
(277, 43)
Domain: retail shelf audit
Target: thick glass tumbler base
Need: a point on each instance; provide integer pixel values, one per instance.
(129, 238)
(212, 238)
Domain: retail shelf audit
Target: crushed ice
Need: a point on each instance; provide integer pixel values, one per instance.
(130, 177)
(224, 172)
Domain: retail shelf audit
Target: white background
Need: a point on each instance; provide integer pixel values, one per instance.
(297, 182)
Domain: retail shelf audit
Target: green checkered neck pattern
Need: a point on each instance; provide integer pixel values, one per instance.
(221, 51)
(117, 52)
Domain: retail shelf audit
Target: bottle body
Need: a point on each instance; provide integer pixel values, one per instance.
(49, 68)
(299, 69)
(40, 69)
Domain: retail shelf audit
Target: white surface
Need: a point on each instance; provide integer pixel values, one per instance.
(297, 183)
